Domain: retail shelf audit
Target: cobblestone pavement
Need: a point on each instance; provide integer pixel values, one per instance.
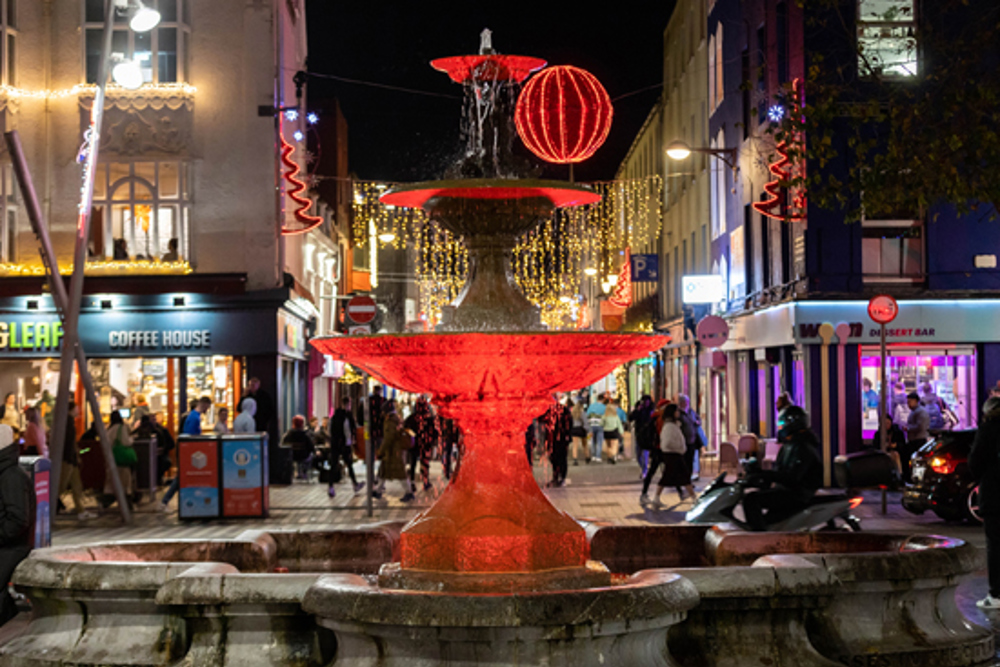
(602, 492)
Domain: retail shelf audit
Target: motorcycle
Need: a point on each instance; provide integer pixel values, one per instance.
(718, 501)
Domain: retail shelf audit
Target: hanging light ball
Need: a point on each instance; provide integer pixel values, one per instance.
(563, 114)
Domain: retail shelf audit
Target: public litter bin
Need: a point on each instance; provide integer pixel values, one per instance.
(198, 467)
(245, 490)
(223, 476)
(40, 470)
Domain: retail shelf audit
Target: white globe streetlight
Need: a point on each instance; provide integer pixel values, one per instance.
(127, 74)
(143, 18)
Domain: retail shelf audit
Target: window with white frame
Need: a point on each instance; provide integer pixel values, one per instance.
(160, 53)
(141, 211)
(887, 44)
(892, 250)
(720, 91)
(8, 42)
(711, 73)
(8, 214)
(720, 171)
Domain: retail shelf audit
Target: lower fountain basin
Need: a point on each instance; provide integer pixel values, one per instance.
(689, 596)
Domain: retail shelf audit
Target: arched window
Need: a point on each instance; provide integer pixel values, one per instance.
(141, 211)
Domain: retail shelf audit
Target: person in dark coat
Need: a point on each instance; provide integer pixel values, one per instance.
(301, 443)
(643, 433)
(342, 433)
(423, 424)
(392, 453)
(450, 442)
(560, 428)
(985, 467)
(265, 404)
(17, 514)
(796, 476)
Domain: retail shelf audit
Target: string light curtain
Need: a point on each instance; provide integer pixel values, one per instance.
(548, 262)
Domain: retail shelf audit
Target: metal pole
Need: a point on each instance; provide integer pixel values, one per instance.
(884, 409)
(60, 298)
(369, 445)
(71, 314)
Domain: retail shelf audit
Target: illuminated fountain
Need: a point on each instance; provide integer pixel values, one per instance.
(491, 367)
(492, 573)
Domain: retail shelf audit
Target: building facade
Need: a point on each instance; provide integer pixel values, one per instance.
(189, 234)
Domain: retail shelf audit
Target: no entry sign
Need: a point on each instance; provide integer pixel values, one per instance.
(361, 309)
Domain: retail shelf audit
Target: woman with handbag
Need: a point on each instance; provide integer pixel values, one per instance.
(673, 446)
(396, 444)
(125, 458)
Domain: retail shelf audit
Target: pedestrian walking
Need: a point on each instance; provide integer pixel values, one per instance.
(343, 430)
(595, 422)
(562, 426)
(192, 426)
(69, 474)
(395, 445)
(654, 427)
(425, 440)
(612, 426)
(17, 514)
(125, 459)
(984, 465)
(643, 434)
(690, 425)
(673, 445)
(579, 431)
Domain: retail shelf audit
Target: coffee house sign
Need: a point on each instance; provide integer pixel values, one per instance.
(117, 334)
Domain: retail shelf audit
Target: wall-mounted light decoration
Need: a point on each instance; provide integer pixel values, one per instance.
(294, 190)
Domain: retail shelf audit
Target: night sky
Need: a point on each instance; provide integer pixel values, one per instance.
(401, 136)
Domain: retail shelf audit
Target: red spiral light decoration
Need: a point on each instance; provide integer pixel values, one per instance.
(563, 115)
(295, 187)
(771, 207)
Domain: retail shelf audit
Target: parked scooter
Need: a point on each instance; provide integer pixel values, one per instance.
(718, 501)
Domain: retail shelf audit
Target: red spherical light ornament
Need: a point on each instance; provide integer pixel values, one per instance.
(563, 114)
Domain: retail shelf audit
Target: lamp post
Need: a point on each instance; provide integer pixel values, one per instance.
(678, 150)
(142, 17)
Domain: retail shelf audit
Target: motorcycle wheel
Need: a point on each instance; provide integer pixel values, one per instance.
(972, 506)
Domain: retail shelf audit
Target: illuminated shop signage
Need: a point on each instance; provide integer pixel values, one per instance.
(30, 335)
(167, 333)
(176, 339)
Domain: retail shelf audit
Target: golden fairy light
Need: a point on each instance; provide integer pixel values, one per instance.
(548, 262)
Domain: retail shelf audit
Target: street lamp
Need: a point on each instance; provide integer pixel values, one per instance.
(127, 74)
(678, 150)
(143, 18)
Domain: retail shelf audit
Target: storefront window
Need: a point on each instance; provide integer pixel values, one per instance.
(946, 377)
(123, 384)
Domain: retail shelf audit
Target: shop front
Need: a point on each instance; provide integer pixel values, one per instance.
(156, 352)
(947, 350)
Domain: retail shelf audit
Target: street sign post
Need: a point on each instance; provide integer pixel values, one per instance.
(882, 309)
(361, 309)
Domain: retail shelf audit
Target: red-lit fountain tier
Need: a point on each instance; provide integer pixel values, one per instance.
(492, 518)
(488, 67)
